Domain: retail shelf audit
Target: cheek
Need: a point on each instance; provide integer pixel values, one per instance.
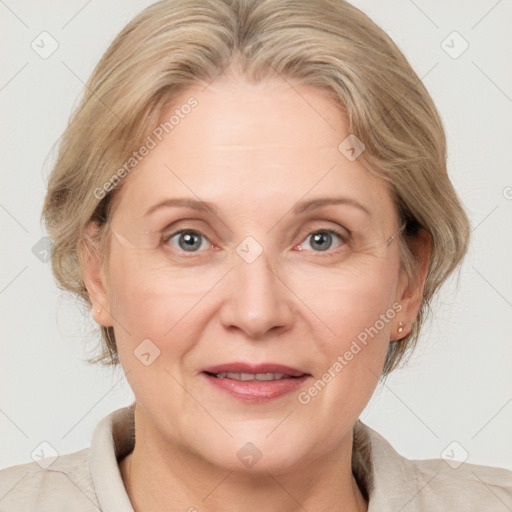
(356, 310)
(148, 299)
(350, 301)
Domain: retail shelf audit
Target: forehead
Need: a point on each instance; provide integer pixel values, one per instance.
(266, 114)
(253, 145)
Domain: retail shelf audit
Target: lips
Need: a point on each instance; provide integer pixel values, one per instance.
(254, 369)
(255, 383)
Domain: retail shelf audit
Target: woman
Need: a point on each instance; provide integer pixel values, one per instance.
(252, 198)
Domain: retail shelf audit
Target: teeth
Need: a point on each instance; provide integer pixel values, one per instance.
(269, 376)
(251, 376)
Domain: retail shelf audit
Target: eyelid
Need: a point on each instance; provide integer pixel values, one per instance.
(183, 225)
(321, 226)
(326, 225)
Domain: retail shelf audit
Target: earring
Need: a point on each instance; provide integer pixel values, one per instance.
(401, 326)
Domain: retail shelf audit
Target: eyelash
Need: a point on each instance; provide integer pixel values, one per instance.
(329, 252)
(344, 238)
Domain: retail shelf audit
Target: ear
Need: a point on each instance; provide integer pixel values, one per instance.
(410, 289)
(93, 271)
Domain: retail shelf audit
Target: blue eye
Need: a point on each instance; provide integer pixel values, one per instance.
(322, 240)
(188, 241)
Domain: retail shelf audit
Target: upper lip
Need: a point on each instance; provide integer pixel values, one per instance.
(238, 367)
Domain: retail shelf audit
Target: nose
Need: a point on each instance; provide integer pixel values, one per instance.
(258, 300)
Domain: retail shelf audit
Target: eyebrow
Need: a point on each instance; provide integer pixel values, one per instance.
(305, 206)
(183, 202)
(299, 208)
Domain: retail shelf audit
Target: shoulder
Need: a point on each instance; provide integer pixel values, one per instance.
(396, 482)
(453, 485)
(49, 485)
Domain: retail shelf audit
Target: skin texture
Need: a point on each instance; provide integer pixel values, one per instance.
(254, 150)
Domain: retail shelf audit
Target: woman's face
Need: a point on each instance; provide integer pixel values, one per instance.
(255, 278)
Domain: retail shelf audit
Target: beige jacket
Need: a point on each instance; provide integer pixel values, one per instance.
(90, 479)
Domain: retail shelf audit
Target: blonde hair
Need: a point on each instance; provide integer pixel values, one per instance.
(325, 43)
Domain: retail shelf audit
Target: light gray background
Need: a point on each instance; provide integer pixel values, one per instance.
(457, 387)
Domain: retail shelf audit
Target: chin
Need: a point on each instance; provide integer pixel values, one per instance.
(251, 457)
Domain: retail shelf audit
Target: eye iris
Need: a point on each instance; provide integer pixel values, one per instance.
(189, 241)
(321, 237)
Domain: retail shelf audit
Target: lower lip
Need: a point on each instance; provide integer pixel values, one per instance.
(257, 390)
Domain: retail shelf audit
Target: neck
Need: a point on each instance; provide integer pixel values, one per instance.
(173, 479)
